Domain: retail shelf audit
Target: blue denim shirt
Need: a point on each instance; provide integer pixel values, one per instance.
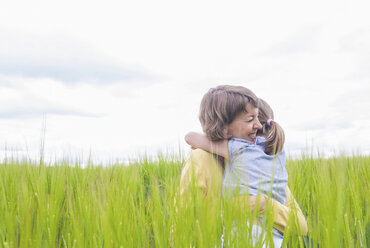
(252, 171)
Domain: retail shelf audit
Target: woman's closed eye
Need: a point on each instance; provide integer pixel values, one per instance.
(251, 119)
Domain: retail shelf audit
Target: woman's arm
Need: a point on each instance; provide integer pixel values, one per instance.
(282, 213)
(201, 141)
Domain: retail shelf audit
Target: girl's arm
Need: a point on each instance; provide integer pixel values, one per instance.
(201, 141)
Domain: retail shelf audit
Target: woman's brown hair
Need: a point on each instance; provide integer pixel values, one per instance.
(271, 130)
(220, 106)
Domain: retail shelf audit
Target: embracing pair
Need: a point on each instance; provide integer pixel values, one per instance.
(240, 130)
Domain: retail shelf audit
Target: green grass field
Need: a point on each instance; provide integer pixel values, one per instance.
(63, 205)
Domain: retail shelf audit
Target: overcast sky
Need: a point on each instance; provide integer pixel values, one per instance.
(124, 79)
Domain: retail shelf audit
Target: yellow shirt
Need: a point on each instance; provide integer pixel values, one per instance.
(208, 177)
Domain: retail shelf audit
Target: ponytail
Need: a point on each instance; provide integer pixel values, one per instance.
(275, 138)
(271, 130)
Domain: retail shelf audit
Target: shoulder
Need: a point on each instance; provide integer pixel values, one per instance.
(202, 160)
(242, 142)
(260, 140)
(200, 156)
(203, 168)
(237, 143)
(239, 146)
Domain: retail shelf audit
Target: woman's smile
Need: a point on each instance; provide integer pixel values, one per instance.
(245, 125)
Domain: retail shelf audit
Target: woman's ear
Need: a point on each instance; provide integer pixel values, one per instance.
(226, 134)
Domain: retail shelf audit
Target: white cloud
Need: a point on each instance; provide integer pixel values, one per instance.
(27, 98)
(66, 60)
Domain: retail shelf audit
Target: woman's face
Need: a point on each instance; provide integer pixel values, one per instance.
(245, 125)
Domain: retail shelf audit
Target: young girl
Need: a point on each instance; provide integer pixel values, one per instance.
(254, 162)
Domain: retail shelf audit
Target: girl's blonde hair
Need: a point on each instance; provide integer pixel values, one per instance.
(272, 131)
(220, 106)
